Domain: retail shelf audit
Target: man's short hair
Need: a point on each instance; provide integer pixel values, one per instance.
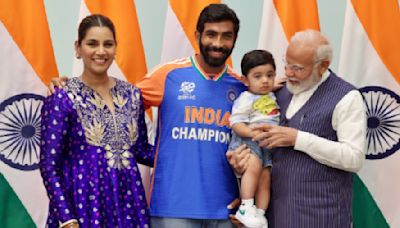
(217, 13)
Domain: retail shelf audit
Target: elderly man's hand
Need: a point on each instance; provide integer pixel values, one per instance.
(272, 136)
(239, 158)
(279, 83)
(56, 82)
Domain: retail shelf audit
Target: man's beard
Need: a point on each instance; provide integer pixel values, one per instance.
(303, 85)
(214, 62)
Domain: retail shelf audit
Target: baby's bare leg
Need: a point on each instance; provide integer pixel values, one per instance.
(263, 189)
(250, 178)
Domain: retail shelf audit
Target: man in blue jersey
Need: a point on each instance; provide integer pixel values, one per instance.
(192, 181)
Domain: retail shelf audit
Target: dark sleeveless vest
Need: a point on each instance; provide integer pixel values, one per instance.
(304, 192)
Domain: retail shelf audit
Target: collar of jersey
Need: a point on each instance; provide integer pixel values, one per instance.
(203, 74)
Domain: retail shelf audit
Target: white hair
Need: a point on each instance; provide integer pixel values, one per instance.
(323, 48)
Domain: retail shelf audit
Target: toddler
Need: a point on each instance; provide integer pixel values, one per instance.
(255, 106)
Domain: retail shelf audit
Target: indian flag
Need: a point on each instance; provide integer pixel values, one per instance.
(281, 19)
(25, 69)
(130, 61)
(370, 59)
(180, 26)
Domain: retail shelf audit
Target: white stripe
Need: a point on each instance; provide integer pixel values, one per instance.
(272, 36)
(17, 76)
(175, 42)
(28, 185)
(359, 61)
(15, 70)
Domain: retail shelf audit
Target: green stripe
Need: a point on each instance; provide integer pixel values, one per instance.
(198, 69)
(12, 213)
(366, 214)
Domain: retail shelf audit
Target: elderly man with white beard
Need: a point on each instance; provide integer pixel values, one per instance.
(320, 142)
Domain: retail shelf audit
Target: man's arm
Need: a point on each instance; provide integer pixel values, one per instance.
(56, 82)
(153, 84)
(349, 121)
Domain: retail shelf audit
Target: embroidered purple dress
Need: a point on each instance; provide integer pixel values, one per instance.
(89, 156)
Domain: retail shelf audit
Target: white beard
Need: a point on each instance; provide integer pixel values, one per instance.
(303, 85)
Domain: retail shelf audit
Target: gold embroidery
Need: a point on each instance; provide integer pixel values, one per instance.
(125, 156)
(111, 163)
(96, 101)
(120, 101)
(103, 129)
(116, 159)
(132, 128)
(95, 133)
(135, 97)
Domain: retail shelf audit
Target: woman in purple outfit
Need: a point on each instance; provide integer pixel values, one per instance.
(93, 135)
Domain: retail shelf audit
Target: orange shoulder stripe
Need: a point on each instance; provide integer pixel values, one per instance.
(235, 74)
(152, 85)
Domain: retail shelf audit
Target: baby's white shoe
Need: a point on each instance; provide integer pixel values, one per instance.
(263, 219)
(248, 216)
